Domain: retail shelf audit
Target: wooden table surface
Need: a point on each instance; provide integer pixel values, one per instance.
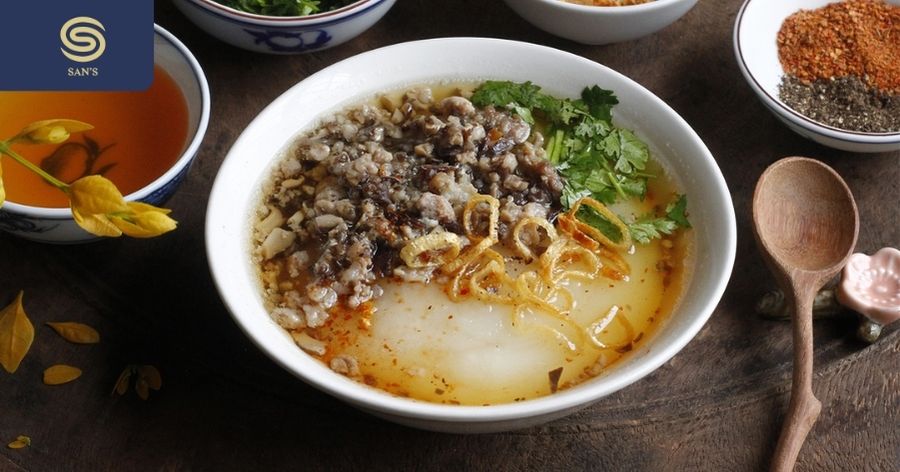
(225, 406)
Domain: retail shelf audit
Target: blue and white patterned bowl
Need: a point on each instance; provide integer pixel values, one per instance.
(284, 35)
(55, 225)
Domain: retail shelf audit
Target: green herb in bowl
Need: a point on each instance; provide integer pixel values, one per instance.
(596, 158)
(285, 7)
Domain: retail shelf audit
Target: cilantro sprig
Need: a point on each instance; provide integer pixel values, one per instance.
(650, 227)
(596, 158)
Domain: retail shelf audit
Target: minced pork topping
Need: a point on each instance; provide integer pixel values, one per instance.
(353, 191)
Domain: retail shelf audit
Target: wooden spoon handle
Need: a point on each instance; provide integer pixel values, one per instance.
(804, 407)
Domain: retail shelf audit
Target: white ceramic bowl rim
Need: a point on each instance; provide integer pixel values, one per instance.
(776, 105)
(361, 395)
(624, 9)
(175, 169)
(316, 19)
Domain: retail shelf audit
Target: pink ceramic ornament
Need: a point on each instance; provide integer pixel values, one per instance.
(871, 285)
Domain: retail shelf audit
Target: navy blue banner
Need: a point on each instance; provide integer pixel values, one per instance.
(76, 45)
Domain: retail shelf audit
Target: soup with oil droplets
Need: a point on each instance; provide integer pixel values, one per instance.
(137, 137)
(433, 244)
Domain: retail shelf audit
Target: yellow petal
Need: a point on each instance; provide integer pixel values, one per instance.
(140, 207)
(141, 387)
(60, 374)
(145, 224)
(98, 225)
(148, 378)
(96, 195)
(49, 134)
(16, 335)
(2, 190)
(51, 131)
(76, 332)
(151, 375)
(122, 383)
(20, 442)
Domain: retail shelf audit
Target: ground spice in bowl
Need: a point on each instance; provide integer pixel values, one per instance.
(844, 102)
(842, 65)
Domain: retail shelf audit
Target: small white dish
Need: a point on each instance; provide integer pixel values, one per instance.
(600, 25)
(284, 34)
(235, 195)
(55, 225)
(755, 32)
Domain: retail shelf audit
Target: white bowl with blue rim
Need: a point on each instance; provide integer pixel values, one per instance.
(55, 225)
(588, 24)
(755, 32)
(284, 34)
(236, 194)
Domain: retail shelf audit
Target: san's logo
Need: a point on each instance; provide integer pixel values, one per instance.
(79, 45)
(82, 39)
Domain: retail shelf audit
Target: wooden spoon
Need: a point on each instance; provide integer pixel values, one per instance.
(806, 224)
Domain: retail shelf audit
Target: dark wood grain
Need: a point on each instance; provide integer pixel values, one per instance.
(716, 406)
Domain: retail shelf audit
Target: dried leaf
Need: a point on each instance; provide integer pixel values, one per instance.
(60, 374)
(76, 332)
(148, 378)
(16, 335)
(122, 383)
(154, 380)
(20, 442)
(141, 387)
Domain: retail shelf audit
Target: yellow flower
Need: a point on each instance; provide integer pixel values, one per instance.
(99, 208)
(145, 221)
(2, 190)
(51, 131)
(92, 199)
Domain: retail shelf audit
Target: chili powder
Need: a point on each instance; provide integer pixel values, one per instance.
(851, 38)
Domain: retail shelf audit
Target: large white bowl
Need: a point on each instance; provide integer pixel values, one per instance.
(55, 225)
(600, 25)
(284, 35)
(755, 32)
(236, 193)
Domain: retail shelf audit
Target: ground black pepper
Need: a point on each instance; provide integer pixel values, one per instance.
(844, 102)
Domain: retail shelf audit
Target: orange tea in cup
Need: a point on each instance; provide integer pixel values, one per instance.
(137, 137)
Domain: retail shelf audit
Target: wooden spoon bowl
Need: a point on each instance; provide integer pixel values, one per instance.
(806, 224)
(805, 216)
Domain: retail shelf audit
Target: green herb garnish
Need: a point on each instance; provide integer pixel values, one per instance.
(650, 226)
(596, 158)
(285, 7)
(592, 217)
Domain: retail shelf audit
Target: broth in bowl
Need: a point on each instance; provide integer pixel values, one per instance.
(471, 244)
